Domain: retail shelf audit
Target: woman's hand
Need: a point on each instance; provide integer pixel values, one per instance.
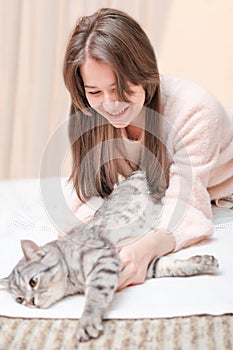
(134, 263)
(136, 256)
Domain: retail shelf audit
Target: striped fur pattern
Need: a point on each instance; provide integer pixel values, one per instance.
(87, 260)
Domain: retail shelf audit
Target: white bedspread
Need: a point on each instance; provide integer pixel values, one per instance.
(22, 216)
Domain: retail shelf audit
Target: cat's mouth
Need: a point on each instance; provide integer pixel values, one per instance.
(31, 303)
(42, 302)
(35, 305)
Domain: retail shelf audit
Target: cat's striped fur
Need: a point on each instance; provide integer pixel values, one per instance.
(87, 261)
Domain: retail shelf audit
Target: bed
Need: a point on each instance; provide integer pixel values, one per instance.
(180, 313)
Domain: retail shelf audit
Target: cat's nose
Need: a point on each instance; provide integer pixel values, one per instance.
(32, 302)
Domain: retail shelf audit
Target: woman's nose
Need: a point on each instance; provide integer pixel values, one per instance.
(110, 102)
(110, 97)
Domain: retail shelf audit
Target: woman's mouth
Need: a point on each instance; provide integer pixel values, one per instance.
(117, 114)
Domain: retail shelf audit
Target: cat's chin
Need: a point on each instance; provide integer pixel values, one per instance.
(39, 306)
(46, 303)
(33, 306)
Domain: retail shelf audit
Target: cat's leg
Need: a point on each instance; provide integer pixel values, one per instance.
(101, 284)
(196, 265)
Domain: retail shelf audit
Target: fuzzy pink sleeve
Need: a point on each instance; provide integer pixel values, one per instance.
(193, 144)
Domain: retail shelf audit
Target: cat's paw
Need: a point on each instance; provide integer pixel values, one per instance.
(205, 263)
(89, 328)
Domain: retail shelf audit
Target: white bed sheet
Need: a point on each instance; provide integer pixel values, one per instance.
(22, 216)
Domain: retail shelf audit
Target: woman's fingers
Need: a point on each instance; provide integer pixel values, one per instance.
(125, 278)
(131, 271)
(130, 276)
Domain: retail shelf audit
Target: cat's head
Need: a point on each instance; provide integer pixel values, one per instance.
(40, 277)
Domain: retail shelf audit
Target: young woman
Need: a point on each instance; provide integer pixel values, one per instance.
(126, 116)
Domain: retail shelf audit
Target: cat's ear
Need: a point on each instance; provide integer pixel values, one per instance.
(4, 283)
(30, 248)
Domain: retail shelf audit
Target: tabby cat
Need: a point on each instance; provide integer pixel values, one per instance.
(87, 260)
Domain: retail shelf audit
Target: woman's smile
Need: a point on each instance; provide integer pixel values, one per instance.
(115, 115)
(115, 112)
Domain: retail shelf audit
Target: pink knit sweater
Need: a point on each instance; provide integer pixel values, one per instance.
(199, 139)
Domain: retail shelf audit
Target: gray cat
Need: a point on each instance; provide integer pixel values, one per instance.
(87, 260)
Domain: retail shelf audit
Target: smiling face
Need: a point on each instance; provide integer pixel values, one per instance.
(101, 92)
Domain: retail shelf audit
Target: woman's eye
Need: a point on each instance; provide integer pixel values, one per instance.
(94, 92)
(19, 300)
(34, 281)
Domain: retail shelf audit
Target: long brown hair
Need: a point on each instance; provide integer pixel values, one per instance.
(113, 37)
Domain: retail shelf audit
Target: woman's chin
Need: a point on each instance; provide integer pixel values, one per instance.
(119, 125)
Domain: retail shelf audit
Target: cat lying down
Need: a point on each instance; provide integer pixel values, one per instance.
(87, 261)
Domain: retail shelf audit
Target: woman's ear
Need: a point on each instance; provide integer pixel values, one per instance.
(30, 249)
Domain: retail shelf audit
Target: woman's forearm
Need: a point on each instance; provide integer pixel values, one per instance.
(162, 242)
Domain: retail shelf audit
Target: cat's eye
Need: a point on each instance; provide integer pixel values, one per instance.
(19, 300)
(34, 281)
